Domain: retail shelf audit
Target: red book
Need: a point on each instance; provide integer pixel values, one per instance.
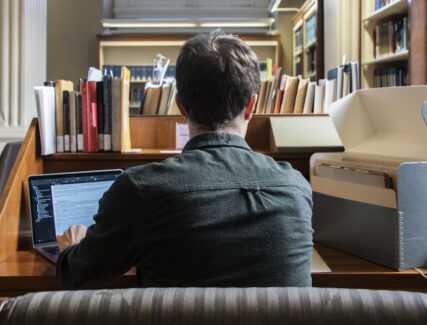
(92, 120)
(83, 90)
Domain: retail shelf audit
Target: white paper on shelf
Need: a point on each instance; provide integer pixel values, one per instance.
(45, 100)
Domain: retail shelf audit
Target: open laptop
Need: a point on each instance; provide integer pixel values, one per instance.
(58, 201)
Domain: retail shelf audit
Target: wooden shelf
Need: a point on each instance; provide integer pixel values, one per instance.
(298, 52)
(307, 11)
(394, 8)
(309, 45)
(403, 55)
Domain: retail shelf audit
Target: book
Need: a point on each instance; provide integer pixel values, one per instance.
(266, 106)
(330, 94)
(340, 77)
(355, 79)
(107, 112)
(100, 113)
(45, 102)
(79, 122)
(85, 135)
(346, 84)
(66, 117)
(309, 98)
(171, 98)
(278, 102)
(60, 86)
(116, 117)
(300, 97)
(289, 96)
(164, 97)
(261, 97)
(73, 125)
(125, 143)
(152, 98)
(319, 95)
(92, 118)
(173, 108)
(274, 90)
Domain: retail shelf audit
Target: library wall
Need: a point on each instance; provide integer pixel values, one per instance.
(72, 27)
(285, 31)
(342, 32)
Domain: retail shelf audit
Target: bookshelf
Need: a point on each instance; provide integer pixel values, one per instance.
(124, 49)
(377, 61)
(140, 50)
(307, 26)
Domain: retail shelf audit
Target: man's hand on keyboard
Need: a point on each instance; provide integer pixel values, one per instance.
(71, 236)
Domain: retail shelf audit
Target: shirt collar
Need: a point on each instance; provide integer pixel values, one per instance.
(215, 139)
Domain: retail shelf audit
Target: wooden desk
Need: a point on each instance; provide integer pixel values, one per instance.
(22, 270)
(28, 271)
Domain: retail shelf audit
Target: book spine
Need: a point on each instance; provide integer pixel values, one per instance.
(115, 114)
(66, 117)
(84, 118)
(125, 142)
(100, 113)
(59, 123)
(79, 123)
(107, 113)
(73, 129)
(92, 118)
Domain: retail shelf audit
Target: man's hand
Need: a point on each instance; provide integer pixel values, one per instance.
(71, 236)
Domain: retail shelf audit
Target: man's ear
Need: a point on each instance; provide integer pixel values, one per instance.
(251, 107)
(180, 106)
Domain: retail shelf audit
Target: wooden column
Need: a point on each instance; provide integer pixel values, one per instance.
(418, 42)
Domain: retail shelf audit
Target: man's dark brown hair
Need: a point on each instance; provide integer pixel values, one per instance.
(216, 76)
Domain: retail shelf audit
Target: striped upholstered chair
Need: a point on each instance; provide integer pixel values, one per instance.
(217, 306)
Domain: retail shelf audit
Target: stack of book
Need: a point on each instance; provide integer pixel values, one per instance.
(157, 99)
(390, 37)
(96, 118)
(138, 72)
(283, 94)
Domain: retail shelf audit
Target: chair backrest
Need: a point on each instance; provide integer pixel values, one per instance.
(218, 306)
(7, 159)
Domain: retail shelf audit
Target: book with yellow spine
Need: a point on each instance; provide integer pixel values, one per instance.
(125, 144)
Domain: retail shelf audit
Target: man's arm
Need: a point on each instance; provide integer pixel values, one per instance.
(109, 247)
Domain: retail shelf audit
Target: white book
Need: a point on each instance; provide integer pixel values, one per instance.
(355, 81)
(45, 100)
(309, 98)
(319, 95)
(330, 94)
(339, 82)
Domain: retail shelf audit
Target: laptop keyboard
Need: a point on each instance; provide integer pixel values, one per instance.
(53, 250)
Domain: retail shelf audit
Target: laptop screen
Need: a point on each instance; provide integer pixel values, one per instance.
(58, 201)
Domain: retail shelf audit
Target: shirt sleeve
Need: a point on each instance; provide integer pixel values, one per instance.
(109, 247)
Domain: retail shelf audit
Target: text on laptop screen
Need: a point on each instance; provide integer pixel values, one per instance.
(61, 201)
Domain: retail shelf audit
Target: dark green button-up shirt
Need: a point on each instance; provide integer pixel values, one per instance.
(218, 214)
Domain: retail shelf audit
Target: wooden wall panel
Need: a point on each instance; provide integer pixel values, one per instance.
(418, 42)
(14, 207)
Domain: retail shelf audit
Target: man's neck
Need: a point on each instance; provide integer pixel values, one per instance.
(236, 127)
